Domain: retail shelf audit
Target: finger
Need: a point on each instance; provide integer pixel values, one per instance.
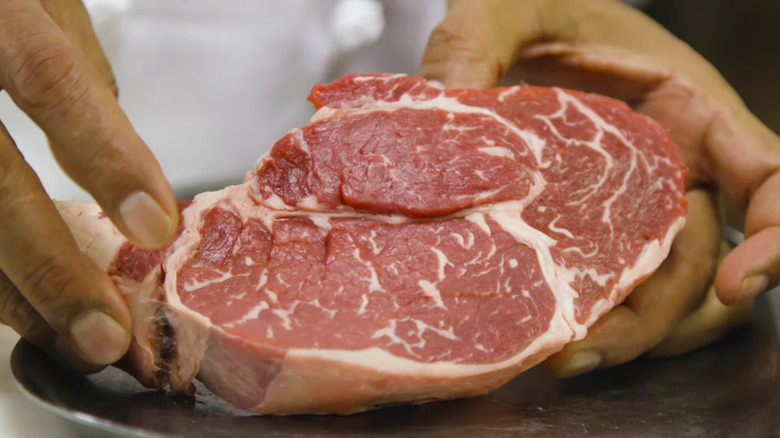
(710, 321)
(54, 83)
(742, 156)
(40, 257)
(620, 74)
(652, 311)
(752, 268)
(473, 46)
(17, 313)
(72, 17)
(478, 42)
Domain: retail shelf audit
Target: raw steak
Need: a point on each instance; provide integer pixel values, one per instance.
(409, 244)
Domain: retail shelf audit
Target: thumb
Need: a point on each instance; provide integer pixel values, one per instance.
(473, 46)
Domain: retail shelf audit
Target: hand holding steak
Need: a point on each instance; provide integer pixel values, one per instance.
(409, 244)
(612, 49)
(52, 66)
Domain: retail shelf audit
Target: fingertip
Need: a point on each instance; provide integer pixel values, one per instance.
(98, 325)
(580, 362)
(727, 278)
(100, 339)
(744, 290)
(752, 286)
(751, 268)
(148, 223)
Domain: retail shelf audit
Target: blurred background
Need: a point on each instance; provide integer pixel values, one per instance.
(739, 38)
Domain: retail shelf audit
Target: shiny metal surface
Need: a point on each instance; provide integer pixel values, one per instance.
(729, 389)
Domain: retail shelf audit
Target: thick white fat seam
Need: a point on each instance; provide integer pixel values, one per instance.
(251, 315)
(497, 151)
(193, 284)
(382, 77)
(508, 216)
(649, 259)
(429, 288)
(558, 277)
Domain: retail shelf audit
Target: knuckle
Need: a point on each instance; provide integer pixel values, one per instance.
(17, 313)
(457, 37)
(469, 43)
(112, 86)
(9, 177)
(46, 284)
(24, 319)
(14, 175)
(48, 77)
(700, 264)
(8, 306)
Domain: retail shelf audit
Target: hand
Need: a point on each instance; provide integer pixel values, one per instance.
(603, 46)
(52, 66)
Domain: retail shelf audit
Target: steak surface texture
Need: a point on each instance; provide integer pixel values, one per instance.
(409, 244)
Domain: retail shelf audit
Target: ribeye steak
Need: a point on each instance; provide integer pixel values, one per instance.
(409, 244)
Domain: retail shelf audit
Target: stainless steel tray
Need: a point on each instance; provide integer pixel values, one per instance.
(728, 389)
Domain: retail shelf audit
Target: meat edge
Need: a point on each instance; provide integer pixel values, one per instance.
(344, 382)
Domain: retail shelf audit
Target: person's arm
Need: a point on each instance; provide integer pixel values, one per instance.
(606, 47)
(53, 68)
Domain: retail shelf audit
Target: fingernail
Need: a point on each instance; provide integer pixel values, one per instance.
(99, 337)
(753, 286)
(581, 363)
(145, 219)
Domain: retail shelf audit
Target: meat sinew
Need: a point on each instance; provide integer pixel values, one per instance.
(409, 244)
